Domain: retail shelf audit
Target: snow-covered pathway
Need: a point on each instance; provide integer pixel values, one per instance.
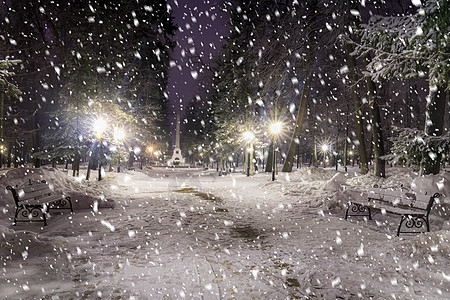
(196, 235)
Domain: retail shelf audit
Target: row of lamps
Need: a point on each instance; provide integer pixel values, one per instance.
(100, 126)
(249, 137)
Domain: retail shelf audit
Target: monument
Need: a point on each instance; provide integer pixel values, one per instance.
(177, 159)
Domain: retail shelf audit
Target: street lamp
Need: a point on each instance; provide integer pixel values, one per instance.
(249, 137)
(275, 129)
(99, 127)
(119, 135)
(353, 160)
(150, 152)
(324, 150)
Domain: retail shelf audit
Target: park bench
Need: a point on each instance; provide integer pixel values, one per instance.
(34, 200)
(413, 208)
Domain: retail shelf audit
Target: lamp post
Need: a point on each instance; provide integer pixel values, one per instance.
(99, 127)
(149, 151)
(324, 150)
(249, 137)
(119, 135)
(275, 129)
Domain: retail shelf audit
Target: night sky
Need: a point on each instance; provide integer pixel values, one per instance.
(202, 29)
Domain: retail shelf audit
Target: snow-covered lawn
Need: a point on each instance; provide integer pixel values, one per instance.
(189, 233)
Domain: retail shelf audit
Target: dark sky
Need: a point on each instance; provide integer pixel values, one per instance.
(202, 28)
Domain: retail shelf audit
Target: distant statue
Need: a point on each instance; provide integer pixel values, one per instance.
(177, 159)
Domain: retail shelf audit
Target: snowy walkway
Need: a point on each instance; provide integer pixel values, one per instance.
(176, 235)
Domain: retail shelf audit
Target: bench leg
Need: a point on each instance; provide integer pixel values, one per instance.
(400, 225)
(346, 212)
(31, 213)
(413, 222)
(15, 216)
(44, 218)
(358, 210)
(62, 204)
(70, 203)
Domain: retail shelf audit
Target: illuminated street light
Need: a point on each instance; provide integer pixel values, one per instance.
(248, 136)
(119, 134)
(150, 152)
(99, 127)
(275, 130)
(324, 150)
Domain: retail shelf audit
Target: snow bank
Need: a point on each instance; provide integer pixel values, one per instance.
(336, 183)
(25, 244)
(431, 184)
(430, 244)
(83, 193)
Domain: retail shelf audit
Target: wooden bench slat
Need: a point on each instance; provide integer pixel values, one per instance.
(33, 201)
(43, 200)
(32, 195)
(33, 188)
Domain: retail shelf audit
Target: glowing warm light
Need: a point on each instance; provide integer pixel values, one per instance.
(324, 148)
(99, 127)
(275, 128)
(248, 136)
(350, 152)
(119, 134)
(151, 151)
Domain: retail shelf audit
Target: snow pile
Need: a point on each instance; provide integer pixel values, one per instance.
(336, 183)
(26, 244)
(436, 243)
(430, 184)
(84, 194)
(314, 173)
(223, 237)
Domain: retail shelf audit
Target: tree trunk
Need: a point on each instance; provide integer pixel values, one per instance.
(434, 124)
(16, 157)
(36, 142)
(377, 133)
(131, 159)
(77, 159)
(358, 120)
(287, 167)
(346, 140)
(88, 173)
(8, 160)
(269, 161)
(2, 103)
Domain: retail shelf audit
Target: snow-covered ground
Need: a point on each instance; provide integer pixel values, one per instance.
(189, 233)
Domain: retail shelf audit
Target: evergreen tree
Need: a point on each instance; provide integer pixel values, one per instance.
(413, 46)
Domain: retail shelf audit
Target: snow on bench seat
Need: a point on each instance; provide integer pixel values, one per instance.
(34, 200)
(413, 208)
